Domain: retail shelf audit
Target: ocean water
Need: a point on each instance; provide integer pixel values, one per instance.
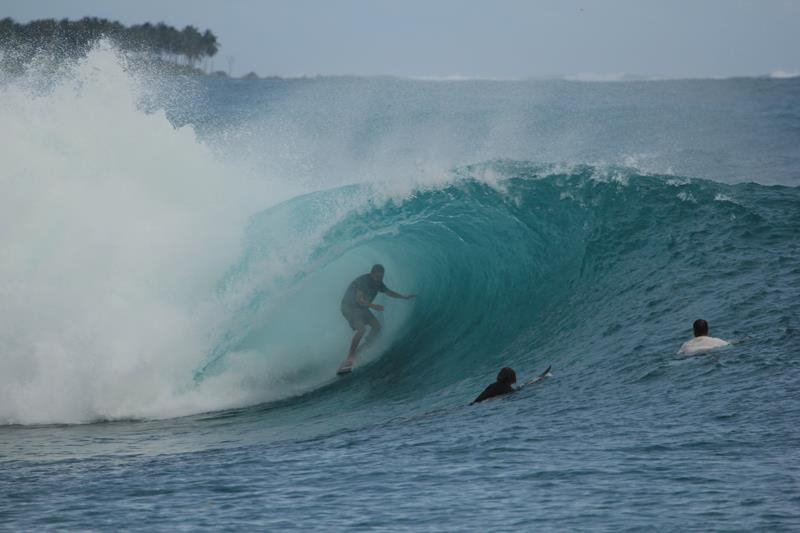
(173, 252)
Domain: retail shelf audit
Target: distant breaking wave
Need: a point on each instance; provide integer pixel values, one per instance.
(783, 74)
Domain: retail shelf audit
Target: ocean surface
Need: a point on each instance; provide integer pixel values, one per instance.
(173, 252)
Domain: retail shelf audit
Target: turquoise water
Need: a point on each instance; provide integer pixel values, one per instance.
(171, 330)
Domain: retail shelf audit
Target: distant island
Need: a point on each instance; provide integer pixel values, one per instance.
(58, 40)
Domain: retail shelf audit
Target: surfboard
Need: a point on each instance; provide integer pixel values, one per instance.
(345, 368)
(540, 377)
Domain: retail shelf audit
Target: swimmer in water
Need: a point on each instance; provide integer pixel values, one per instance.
(701, 341)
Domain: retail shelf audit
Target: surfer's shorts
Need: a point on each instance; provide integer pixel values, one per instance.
(358, 316)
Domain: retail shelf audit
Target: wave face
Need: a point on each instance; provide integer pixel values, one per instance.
(149, 272)
(592, 270)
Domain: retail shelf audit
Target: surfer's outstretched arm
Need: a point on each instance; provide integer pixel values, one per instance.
(390, 292)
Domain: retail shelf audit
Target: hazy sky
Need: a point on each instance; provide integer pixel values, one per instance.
(472, 38)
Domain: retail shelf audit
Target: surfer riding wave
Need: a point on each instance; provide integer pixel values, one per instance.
(356, 305)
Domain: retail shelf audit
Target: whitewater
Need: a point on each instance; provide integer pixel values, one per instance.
(173, 251)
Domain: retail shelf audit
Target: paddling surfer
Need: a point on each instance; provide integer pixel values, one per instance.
(505, 384)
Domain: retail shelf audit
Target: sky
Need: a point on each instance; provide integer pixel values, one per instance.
(495, 39)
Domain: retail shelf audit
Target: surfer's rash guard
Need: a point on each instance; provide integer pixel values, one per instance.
(495, 389)
(367, 285)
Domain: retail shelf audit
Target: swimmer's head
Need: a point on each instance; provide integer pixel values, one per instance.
(507, 376)
(700, 327)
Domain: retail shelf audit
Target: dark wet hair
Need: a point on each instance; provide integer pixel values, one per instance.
(507, 376)
(376, 268)
(700, 327)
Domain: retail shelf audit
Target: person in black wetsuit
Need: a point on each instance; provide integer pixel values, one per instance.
(356, 305)
(504, 384)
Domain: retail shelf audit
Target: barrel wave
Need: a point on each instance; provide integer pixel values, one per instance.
(594, 270)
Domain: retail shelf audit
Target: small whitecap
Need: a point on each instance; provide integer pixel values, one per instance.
(620, 178)
(677, 182)
(606, 174)
(719, 197)
(686, 197)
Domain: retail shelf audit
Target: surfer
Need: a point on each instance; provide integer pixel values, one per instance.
(701, 341)
(356, 305)
(505, 384)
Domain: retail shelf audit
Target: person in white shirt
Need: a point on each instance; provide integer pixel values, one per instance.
(701, 341)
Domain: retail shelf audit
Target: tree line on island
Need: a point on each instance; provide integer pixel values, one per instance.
(63, 39)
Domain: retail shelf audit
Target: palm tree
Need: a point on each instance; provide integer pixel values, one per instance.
(65, 38)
